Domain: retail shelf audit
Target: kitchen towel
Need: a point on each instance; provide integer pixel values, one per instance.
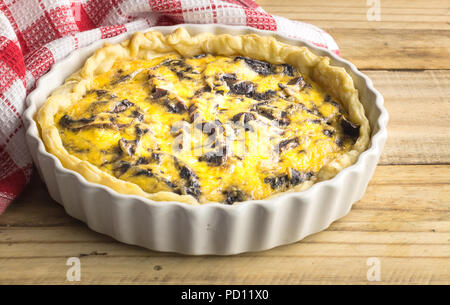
(34, 34)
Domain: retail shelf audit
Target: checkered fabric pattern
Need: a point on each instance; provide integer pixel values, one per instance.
(34, 34)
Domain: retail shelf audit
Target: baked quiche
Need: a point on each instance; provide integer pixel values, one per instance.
(205, 118)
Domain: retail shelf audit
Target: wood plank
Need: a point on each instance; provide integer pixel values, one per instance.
(394, 49)
(410, 35)
(301, 249)
(419, 108)
(225, 270)
(352, 14)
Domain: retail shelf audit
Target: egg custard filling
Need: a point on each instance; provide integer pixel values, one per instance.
(221, 129)
(206, 118)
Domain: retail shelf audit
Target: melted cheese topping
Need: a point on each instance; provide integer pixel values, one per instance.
(222, 129)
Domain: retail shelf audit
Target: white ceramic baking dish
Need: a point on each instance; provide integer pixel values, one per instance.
(211, 228)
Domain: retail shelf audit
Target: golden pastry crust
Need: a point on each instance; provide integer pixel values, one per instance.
(146, 46)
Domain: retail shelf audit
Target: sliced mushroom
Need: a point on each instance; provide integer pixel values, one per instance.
(349, 128)
(259, 66)
(287, 144)
(233, 195)
(122, 106)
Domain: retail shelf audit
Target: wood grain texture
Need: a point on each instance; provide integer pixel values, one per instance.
(351, 14)
(403, 218)
(222, 270)
(418, 103)
(410, 35)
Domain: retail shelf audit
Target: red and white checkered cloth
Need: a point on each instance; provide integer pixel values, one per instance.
(34, 34)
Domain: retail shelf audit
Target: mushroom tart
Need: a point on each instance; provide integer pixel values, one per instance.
(205, 118)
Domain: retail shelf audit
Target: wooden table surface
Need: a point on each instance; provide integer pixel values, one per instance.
(403, 220)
